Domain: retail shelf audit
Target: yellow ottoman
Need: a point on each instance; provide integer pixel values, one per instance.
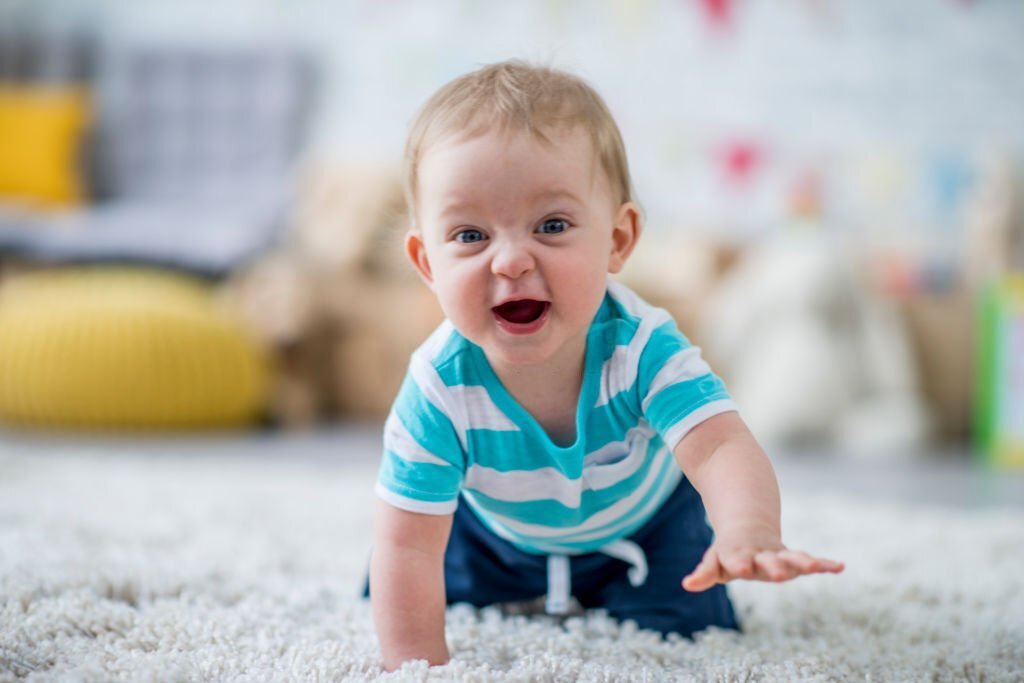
(122, 347)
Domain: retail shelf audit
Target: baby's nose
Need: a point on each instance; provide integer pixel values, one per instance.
(512, 260)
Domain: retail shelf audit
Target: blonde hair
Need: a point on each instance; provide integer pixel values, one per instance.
(518, 97)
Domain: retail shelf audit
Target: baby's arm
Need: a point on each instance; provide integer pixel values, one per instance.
(407, 585)
(736, 481)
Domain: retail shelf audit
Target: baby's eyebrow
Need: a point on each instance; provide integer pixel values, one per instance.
(557, 193)
(456, 206)
(459, 206)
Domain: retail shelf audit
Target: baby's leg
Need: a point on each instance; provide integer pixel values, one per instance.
(674, 541)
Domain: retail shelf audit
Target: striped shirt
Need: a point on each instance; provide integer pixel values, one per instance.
(454, 429)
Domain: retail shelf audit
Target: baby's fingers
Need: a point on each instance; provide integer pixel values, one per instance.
(771, 566)
(739, 566)
(806, 564)
(705, 575)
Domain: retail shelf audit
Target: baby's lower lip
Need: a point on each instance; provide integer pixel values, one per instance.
(523, 328)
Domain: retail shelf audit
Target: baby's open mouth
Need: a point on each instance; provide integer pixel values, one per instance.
(521, 312)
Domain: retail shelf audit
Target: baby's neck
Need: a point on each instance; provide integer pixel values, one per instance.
(549, 392)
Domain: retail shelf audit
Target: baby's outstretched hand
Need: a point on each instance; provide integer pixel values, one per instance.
(754, 559)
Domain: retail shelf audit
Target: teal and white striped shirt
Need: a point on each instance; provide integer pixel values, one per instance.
(455, 429)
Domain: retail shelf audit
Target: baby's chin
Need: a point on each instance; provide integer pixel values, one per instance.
(533, 353)
(508, 350)
(505, 349)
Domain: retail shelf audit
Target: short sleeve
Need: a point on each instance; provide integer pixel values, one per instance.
(677, 388)
(423, 464)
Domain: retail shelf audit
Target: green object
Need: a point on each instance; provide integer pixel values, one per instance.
(999, 393)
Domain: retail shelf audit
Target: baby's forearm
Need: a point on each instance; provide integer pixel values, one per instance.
(407, 592)
(740, 491)
(737, 483)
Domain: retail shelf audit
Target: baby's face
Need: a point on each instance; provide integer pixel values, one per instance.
(516, 238)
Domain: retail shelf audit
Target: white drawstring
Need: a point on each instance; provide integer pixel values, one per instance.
(631, 553)
(560, 578)
(559, 585)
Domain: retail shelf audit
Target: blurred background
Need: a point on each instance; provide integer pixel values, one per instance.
(201, 213)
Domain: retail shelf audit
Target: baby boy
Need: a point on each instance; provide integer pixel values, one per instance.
(556, 436)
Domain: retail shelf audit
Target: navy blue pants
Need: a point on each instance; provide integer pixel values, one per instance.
(481, 568)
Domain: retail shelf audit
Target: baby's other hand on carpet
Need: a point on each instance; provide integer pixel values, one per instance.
(756, 560)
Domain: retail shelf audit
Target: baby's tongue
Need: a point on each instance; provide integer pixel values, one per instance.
(520, 312)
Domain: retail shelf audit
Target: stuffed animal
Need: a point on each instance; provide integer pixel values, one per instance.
(811, 357)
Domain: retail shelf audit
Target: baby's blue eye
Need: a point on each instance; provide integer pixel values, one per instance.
(469, 236)
(553, 226)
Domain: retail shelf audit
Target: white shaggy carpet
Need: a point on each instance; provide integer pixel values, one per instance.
(180, 568)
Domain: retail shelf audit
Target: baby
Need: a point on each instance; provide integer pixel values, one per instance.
(556, 436)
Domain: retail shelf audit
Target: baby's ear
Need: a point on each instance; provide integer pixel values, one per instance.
(625, 233)
(416, 250)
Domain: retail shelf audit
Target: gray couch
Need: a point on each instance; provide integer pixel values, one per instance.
(191, 162)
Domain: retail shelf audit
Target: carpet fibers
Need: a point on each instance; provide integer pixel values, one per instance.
(184, 568)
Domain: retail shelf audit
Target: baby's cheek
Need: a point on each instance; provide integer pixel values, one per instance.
(465, 312)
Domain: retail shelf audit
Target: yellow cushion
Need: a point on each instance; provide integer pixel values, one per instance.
(41, 130)
(119, 347)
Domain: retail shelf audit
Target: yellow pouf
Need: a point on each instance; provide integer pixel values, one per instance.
(119, 347)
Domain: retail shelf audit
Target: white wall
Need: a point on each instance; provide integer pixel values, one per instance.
(894, 105)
